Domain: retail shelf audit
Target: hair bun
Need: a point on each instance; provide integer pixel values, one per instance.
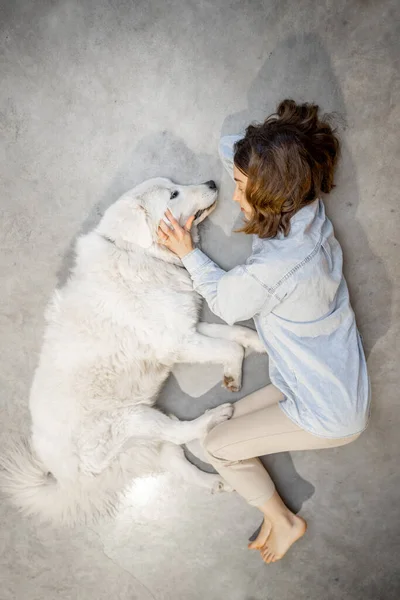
(303, 116)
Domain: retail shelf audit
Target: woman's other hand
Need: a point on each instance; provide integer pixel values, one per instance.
(178, 239)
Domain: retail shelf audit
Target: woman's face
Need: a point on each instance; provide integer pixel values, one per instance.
(239, 194)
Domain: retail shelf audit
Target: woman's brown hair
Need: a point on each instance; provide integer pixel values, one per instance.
(289, 160)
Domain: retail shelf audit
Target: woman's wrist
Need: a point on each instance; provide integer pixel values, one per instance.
(186, 251)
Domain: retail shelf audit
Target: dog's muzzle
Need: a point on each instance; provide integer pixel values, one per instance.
(203, 213)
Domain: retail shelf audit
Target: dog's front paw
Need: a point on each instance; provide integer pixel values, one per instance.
(248, 338)
(233, 384)
(218, 415)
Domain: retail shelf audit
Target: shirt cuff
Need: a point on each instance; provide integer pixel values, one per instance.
(195, 260)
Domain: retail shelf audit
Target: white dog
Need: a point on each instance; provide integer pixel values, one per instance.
(127, 314)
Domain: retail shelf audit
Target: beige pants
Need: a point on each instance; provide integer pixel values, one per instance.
(258, 427)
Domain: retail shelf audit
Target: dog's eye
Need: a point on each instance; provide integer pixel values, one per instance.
(174, 194)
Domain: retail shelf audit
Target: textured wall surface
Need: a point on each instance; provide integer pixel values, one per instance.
(98, 95)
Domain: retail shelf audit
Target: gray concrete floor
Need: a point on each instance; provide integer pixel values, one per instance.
(97, 95)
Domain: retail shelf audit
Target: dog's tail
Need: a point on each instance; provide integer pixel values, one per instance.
(36, 492)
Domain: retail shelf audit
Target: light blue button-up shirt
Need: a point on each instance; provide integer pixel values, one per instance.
(294, 289)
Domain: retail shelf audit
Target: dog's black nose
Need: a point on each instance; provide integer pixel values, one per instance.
(211, 184)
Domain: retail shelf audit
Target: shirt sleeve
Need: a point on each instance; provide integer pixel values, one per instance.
(234, 295)
(225, 150)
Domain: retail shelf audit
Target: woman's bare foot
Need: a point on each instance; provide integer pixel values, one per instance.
(262, 536)
(284, 533)
(280, 530)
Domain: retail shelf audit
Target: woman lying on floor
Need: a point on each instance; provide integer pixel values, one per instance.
(293, 287)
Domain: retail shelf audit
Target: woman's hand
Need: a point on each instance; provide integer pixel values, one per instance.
(178, 239)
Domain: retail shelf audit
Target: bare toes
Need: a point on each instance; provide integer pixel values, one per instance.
(270, 557)
(266, 556)
(262, 535)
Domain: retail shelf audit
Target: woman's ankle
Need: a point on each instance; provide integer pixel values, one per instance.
(275, 511)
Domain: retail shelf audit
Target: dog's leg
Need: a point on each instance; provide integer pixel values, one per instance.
(104, 440)
(149, 423)
(199, 348)
(246, 337)
(173, 460)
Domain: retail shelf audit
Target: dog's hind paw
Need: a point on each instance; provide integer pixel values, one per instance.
(218, 415)
(221, 486)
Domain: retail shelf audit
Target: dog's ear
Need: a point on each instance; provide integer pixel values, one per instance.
(126, 223)
(138, 230)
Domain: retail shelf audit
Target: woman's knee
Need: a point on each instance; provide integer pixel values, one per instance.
(212, 444)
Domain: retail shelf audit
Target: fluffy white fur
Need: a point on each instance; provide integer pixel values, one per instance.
(126, 315)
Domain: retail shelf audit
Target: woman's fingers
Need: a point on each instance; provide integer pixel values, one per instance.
(174, 236)
(163, 232)
(167, 231)
(161, 235)
(189, 223)
(164, 228)
(175, 224)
